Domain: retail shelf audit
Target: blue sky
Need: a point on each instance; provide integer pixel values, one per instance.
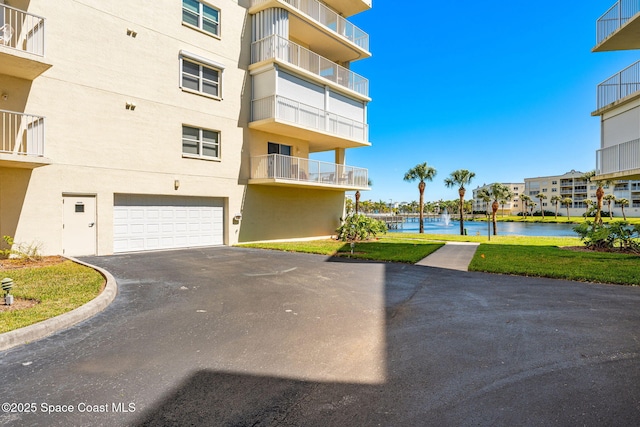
(504, 89)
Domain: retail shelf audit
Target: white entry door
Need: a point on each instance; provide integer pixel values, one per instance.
(79, 228)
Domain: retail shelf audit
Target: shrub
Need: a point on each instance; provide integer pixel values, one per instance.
(617, 234)
(23, 251)
(360, 227)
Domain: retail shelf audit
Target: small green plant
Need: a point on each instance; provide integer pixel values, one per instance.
(23, 251)
(8, 240)
(360, 227)
(617, 234)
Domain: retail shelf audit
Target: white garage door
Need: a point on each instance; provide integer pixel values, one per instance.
(143, 223)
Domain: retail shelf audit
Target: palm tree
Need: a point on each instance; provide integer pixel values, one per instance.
(485, 196)
(609, 198)
(459, 179)
(622, 202)
(567, 201)
(468, 207)
(495, 192)
(525, 203)
(555, 199)
(369, 184)
(506, 196)
(423, 173)
(590, 176)
(588, 203)
(541, 197)
(532, 206)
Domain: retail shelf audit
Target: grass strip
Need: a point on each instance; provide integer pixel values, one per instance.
(58, 289)
(405, 250)
(558, 263)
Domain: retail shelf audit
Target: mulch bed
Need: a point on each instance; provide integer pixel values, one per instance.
(18, 304)
(14, 264)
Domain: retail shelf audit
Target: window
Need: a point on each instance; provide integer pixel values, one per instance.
(554, 182)
(274, 148)
(200, 78)
(554, 190)
(200, 142)
(201, 16)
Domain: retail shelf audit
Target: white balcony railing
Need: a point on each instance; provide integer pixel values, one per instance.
(276, 47)
(619, 158)
(618, 15)
(622, 84)
(21, 30)
(306, 116)
(329, 18)
(21, 134)
(278, 166)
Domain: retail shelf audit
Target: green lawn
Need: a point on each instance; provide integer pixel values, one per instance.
(405, 250)
(554, 262)
(520, 255)
(58, 288)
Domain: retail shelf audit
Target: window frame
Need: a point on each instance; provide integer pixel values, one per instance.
(280, 148)
(201, 18)
(201, 142)
(202, 65)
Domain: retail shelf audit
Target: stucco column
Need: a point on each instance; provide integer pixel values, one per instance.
(339, 161)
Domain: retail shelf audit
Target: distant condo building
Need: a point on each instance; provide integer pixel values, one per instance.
(618, 97)
(573, 185)
(173, 124)
(507, 207)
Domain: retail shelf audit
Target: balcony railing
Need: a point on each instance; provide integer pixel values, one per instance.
(278, 166)
(21, 30)
(302, 115)
(276, 47)
(614, 18)
(21, 134)
(622, 84)
(618, 158)
(329, 18)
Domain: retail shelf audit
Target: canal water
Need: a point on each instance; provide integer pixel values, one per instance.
(480, 228)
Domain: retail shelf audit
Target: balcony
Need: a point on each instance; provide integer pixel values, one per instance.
(277, 169)
(620, 161)
(619, 27)
(282, 50)
(21, 140)
(21, 44)
(346, 42)
(324, 130)
(617, 88)
(349, 7)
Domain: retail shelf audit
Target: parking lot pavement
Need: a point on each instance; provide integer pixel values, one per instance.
(232, 336)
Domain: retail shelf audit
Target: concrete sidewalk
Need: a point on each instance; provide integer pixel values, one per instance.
(452, 256)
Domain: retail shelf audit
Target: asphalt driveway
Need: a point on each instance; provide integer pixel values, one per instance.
(244, 337)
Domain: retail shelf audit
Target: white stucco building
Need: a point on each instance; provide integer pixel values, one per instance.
(573, 185)
(507, 207)
(128, 126)
(618, 99)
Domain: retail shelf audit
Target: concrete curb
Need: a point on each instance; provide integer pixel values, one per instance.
(47, 327)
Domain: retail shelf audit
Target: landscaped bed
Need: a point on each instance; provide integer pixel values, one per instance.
(44, 289)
